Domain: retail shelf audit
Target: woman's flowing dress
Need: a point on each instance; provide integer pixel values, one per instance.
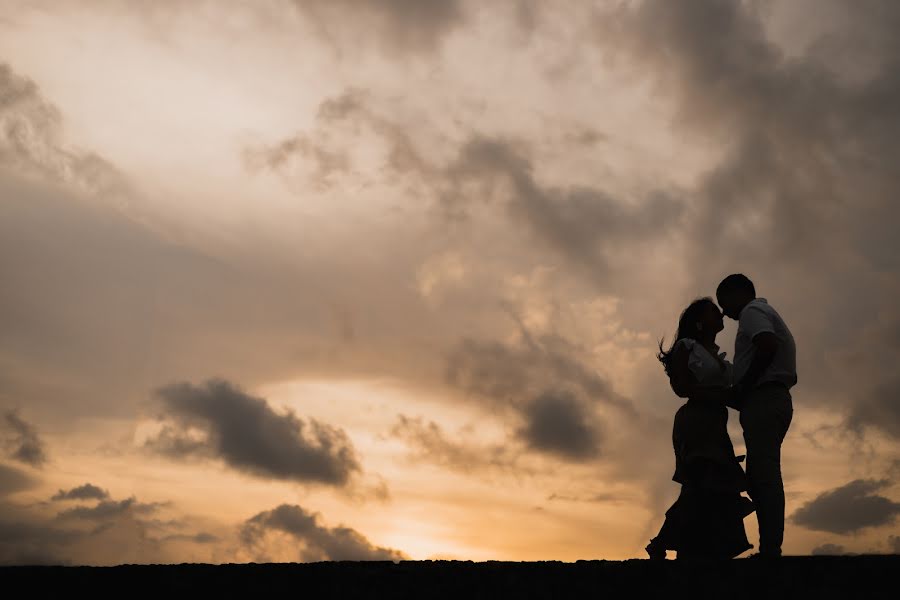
(707, 519)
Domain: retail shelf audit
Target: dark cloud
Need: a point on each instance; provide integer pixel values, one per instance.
(849, 508)
(430, 442)
(894, 544)
(586, 225)
(23, 443)
(398, 26)
(510, 374)
(14, 480)
(558, 423)
(828, 550)
(30, 542)
(319, 542)
(82, 492)
(880, 409)
(109, 509)
(545, 381)
(246, 433)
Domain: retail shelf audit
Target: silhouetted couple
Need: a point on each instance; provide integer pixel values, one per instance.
(707, 519)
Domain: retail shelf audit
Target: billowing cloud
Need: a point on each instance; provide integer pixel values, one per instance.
(82, 492)
(248, 435)
(588, 226)
(14, 480)
(22, 441)
(318, 541)
(849, 508)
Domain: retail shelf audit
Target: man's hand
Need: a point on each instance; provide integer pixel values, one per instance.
(734, 397)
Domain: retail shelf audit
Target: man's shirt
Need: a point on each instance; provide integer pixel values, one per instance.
(758, 317)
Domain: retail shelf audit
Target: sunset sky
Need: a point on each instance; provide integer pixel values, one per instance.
(384, 279)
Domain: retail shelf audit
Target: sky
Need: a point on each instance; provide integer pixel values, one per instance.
(383, 280)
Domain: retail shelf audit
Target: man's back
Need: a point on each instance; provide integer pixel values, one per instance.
(759, 317)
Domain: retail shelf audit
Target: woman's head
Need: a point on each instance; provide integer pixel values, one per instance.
(701, 320)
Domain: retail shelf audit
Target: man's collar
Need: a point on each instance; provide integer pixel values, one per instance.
(763, 300)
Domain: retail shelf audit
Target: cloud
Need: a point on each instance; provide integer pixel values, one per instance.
(82, 492)
(849, 508)
(558, 423)
(14, 480)
(30, 140)
(31, 542)
(829, 550)
(398, 26)
(109, 532)
(24, 444)
(586, 225)
(879, 410)
(248, 435)
(508, 374)
(109, 509)
(599, 498)
(545, 382)
(319, 542)
(430, 442)
(894, 544)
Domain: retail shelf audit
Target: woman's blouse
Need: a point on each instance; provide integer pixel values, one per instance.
(708, 369)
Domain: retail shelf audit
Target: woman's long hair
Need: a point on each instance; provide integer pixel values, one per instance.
(687, 328)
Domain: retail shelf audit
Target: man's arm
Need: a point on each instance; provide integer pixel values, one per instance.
(766, 345)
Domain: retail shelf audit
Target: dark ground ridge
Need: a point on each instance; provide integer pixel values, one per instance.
(818, 577)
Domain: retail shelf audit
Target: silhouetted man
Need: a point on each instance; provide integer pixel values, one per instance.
(764, 371)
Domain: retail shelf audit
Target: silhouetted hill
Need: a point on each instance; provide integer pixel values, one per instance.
(818, 577)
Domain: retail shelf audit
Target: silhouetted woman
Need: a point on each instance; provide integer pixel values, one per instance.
(707, 519)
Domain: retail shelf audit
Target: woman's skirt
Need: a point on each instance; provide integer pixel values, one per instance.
(706, 523)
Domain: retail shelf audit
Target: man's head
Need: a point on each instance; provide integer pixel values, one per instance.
(734, 293)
